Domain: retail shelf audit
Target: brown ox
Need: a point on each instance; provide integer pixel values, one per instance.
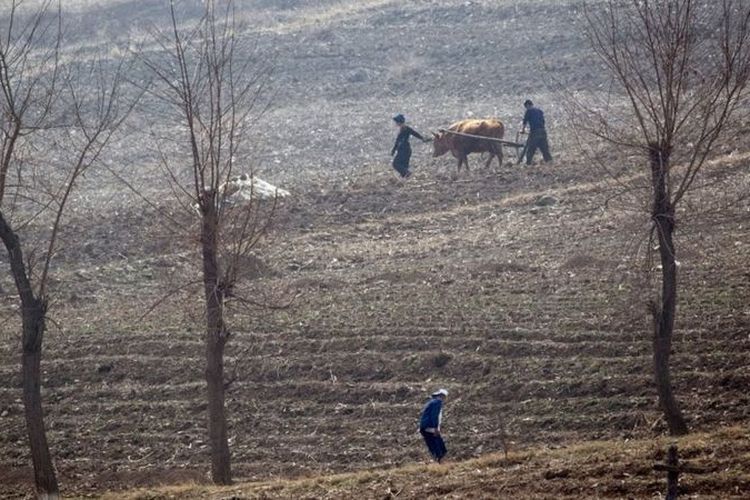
(461, 146)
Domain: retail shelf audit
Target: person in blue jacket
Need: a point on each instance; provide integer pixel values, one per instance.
(429, 425)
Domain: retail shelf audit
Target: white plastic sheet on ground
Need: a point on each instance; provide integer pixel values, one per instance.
(246, 188)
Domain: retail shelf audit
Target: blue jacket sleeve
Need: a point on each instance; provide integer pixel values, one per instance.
(416, 134)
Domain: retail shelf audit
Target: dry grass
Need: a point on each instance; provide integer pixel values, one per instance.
(595, 469)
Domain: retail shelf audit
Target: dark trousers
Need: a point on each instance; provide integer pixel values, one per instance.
(537, 140)
(401, 161)
(435, 444)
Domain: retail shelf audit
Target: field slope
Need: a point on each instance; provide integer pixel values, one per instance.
(599, 469)
(520, 290)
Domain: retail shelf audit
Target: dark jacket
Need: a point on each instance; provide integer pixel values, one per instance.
(431, 414)
(402, 140)
(534, 118)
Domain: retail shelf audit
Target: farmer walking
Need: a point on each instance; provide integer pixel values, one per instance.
(402, 148)
(534, 118)
(429, 425)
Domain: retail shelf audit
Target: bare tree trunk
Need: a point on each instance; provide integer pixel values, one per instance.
(216, 338)
(34, 310)
(664, 314)
(33, 332)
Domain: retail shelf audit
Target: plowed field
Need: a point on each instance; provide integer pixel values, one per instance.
(531, 311)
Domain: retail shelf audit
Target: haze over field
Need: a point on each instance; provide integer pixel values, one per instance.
(517, 288)
(342, 69)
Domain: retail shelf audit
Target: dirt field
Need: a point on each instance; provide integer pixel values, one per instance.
(522, 312)
(530, 312)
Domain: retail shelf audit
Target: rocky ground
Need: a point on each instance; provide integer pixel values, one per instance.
(521, 290)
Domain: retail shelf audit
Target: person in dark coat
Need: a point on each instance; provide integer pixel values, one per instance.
(534, 118)
(429, 425)
(402, 148)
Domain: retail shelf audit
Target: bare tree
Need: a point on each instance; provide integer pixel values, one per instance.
(43, 108)
(683, 67)
(214, 83)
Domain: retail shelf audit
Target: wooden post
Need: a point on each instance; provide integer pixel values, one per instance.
(673, 475)
(673, 469)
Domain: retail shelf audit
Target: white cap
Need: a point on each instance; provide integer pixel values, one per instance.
(440, 392)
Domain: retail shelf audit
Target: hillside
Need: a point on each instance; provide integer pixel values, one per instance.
(524, 313)
(601, 469)
(532, 314)
(342, 69)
